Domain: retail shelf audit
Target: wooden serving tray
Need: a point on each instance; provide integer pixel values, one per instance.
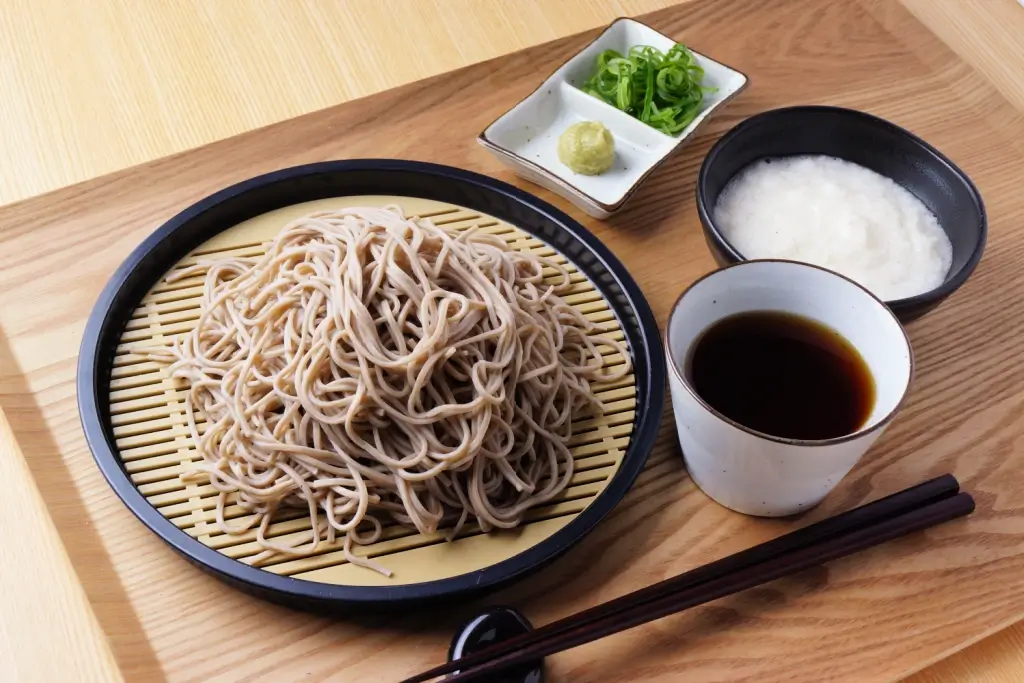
(872, 618)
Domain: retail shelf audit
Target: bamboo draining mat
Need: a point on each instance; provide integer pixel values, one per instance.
(871, 618)
(149, 423)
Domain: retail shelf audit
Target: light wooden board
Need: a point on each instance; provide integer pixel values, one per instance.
(95, 86)
(38, 583)
(971, 123)
(147, 413)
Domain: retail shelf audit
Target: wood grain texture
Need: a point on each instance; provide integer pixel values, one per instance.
(38, 584)
(130, 611)
(94, 87)
(988, 34)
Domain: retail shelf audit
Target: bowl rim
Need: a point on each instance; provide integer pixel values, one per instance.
(677, 369)
(166, 244)
(952, 281)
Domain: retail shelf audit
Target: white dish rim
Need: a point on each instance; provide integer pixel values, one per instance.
(497, 148)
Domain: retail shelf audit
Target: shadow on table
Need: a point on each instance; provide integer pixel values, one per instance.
(79, 536)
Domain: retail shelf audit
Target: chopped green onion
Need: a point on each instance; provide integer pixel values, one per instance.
(661, 89)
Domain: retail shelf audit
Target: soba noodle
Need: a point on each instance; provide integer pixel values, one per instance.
(371, 366)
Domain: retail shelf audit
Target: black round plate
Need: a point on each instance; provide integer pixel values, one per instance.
(173, 240)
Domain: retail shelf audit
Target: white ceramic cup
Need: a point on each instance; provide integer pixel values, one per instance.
(756, 473)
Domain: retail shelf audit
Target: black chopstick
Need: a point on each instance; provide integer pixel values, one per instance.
(861, 517)
(748, 577)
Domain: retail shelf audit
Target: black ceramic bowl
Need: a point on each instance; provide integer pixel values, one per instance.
(871, 142)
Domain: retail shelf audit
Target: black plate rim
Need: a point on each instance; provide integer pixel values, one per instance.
(315, 595)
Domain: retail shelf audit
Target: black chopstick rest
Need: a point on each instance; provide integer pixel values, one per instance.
(493, 626)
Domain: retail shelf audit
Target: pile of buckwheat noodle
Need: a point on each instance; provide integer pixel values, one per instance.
(372, 367)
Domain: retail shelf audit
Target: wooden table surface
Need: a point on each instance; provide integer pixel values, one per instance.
(91, 87)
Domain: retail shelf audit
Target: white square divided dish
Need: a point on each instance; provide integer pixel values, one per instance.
(526, 136)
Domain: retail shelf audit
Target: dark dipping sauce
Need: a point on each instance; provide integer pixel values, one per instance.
(783, 375)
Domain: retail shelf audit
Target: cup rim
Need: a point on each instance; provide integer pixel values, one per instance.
(863, 431)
